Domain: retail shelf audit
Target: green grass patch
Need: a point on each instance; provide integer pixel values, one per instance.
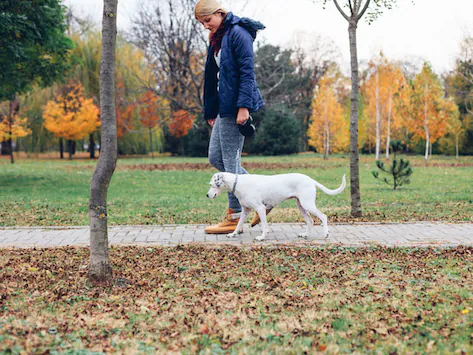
(48, 192)
(205, 299)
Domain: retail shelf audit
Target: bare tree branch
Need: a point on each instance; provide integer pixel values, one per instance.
(277, 84)
(175, 45)
(341, 11)
(364, 10)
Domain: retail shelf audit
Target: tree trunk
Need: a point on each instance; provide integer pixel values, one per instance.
(426, 127)
(13, 109)
(426, 144)
(5, 149)
(151, 142)
(61, 148)
(100, 270)
(69, 148)
(91, 146)
(325, 139)
(327, 146)
(354, 159)
(456, 146)
(326, 135)
(388, 137)
(10, 148)
(305, 127)
(378, 118)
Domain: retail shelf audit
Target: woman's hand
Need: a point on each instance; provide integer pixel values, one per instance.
(243, 115)
(211, 122)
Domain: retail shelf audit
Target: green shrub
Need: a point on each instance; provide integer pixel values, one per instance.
(277, 133)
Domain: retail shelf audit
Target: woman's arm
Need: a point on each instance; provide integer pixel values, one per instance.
(243, 49)
(243, 115)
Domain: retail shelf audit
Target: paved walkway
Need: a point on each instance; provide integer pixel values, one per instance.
(363, 234)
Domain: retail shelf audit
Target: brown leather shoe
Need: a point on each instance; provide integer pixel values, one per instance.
(227, 226)
(256, 218)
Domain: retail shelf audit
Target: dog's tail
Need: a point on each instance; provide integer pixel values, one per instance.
(332, 192)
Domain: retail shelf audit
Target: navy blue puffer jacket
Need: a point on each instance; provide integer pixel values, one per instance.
(237, 85)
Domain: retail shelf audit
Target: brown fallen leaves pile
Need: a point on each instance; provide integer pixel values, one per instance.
(239, 300)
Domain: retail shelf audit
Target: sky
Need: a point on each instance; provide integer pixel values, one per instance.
(429, 30)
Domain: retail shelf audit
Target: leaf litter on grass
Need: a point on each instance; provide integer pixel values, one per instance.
(217, 299)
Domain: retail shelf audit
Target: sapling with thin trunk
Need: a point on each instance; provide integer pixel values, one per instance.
(399, 170)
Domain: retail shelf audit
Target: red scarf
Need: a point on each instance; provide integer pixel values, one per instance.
(216, 38)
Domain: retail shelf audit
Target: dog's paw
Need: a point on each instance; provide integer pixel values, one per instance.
(234, 234)
(259, 238)
(303, 235)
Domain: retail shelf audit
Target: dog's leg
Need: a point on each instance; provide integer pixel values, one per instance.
(245, 212)
(309, 206)
(261, 210)
(307, 219)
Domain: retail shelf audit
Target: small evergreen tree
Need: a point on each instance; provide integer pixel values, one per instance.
(400, 171)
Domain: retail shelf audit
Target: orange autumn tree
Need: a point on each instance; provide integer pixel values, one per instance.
(428, 110)
(152, 110)
(395, 81)
(328, 129)
(133, 72)
(181, 123)
(454, 124)
(12, 126)
(71, 116)
(380, 92)
(124, 109)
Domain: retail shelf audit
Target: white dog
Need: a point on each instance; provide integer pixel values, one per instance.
(262, 192)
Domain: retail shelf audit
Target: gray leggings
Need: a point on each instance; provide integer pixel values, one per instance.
(224, 143)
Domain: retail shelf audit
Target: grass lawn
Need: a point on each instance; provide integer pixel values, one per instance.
(170, 190)
(280, 300)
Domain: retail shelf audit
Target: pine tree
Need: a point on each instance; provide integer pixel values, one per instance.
(400, 171)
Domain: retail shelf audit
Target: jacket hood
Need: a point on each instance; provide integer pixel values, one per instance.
(248, 24)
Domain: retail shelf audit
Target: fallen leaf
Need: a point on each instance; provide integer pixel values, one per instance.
(204, 329)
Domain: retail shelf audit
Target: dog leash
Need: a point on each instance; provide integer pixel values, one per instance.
(237, 160)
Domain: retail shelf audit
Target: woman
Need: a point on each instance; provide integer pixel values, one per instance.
(230, 91)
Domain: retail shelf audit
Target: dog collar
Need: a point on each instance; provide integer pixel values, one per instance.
(237, 161)
(235, 184)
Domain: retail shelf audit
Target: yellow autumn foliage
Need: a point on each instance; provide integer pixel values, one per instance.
(71, 115)
(381, 93)
(328, 130)
(12, 126)
(18, 128)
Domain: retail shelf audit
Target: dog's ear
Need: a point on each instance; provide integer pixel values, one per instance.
(218, 179)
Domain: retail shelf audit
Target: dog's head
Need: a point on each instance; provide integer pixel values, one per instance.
(216, 185)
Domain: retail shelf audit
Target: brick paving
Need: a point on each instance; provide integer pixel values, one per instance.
(420, 234)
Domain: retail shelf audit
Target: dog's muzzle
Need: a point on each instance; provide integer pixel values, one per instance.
(211, 196)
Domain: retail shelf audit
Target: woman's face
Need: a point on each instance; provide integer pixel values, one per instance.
(212, 22)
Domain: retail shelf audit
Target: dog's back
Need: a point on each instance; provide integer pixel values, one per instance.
(286, 184)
